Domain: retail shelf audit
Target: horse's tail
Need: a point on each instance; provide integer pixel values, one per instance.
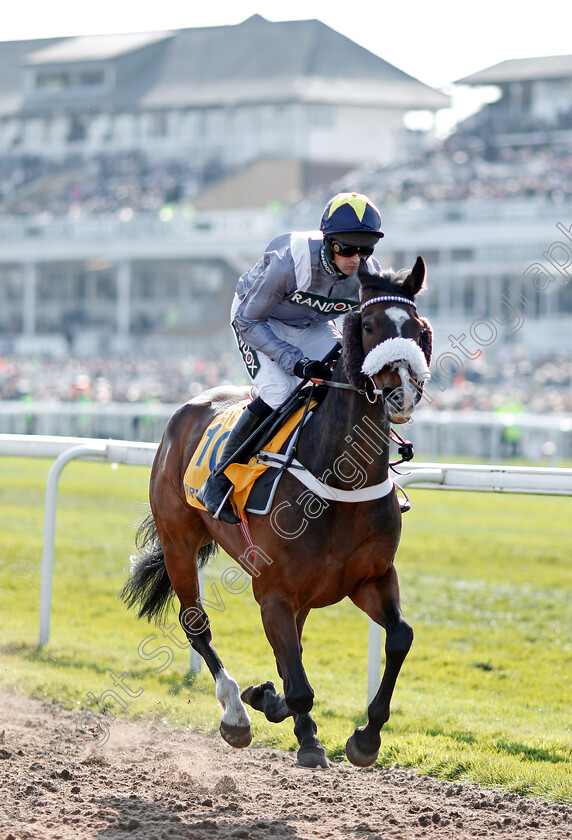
(148, 586)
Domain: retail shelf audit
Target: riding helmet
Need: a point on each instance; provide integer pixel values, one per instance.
(351, 213)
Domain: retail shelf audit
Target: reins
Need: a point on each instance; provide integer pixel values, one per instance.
(405, 447)
(377, 392)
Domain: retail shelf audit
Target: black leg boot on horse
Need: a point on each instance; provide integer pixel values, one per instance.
(215, 492)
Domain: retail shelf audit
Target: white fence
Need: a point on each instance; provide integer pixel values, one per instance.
(498, 479)
(480, 435)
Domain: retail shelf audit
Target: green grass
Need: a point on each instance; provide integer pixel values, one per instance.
(484, 695)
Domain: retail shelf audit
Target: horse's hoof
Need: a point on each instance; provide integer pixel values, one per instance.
(254, 694)
(356, 756)
(236, 736)
(247, 695)
(313, 758)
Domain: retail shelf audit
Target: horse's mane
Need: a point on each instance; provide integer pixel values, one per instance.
(387, 282)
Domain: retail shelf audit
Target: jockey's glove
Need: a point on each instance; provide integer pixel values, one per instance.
(312, 369)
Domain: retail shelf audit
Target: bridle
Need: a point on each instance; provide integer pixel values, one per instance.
(371, 394)
(405, 447)
(387, 299)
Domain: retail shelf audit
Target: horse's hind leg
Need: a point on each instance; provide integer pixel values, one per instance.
(181, 538)
(264, 698)
(235, 722)
(380, 600)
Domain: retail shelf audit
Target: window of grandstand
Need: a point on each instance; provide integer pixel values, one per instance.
(157, 124)
(11, 287)
(396, 259)
(55, 81)
(431, 257)
(564, 298)
(322, 116)
(78, 128)
(468, 292)
(462, 254)
(58, 282)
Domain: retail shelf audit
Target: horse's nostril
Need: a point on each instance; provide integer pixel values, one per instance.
(394, 397)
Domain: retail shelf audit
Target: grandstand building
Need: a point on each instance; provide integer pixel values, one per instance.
(535, 103)
(221, 97)
(141, 175)
(101, 137)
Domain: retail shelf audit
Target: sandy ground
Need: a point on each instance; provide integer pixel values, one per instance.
(150, 782)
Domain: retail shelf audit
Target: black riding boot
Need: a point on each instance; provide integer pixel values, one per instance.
(216, 487)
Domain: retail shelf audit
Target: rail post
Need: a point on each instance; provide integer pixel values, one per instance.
(48, 548)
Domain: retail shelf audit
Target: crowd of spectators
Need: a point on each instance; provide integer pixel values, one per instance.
(469, 164)
(462, 172)
(543, 388)
(115, 378)
(120, 183)
(491, 155)
(499, 120)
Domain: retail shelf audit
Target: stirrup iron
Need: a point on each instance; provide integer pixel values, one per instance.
(216, 514)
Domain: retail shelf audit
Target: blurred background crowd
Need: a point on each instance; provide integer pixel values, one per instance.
(543, 387)
(462, 167)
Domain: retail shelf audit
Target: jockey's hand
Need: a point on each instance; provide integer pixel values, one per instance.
(312, 369)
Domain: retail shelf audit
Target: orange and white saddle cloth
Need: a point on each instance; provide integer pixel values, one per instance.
(242, 476)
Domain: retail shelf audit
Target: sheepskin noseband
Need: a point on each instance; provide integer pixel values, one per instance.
(394, 350)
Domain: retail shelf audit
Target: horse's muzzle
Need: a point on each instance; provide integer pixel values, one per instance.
(400, 392)
(398, 369)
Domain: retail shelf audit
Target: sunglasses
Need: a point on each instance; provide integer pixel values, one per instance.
(351, 250)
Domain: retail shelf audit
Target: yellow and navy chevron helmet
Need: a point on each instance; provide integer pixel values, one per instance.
(351, 213)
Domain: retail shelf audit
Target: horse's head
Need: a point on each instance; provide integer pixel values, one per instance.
(393, 348)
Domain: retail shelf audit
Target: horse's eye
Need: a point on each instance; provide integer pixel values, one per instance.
(367, 328)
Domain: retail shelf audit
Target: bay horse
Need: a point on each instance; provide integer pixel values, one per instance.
(308, 553)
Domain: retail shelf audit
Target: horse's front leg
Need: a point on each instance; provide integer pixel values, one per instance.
(380, 600)
(265, 699)
(279, 624)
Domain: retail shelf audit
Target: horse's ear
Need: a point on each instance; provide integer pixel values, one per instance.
(414, 282)
(364, 272)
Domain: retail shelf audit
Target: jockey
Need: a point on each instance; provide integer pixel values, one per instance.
(282, 316)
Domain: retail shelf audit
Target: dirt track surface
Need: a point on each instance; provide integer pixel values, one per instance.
(150, 782)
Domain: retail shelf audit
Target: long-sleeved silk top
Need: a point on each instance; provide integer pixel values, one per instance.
(293, 283)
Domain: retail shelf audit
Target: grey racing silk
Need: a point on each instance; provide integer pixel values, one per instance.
(291, 283)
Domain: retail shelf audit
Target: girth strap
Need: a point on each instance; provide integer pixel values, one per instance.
(324, 491)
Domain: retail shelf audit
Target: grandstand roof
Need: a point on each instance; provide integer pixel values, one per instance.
(254, 61)
(522, 70)
(92, 48)
(11, 53)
